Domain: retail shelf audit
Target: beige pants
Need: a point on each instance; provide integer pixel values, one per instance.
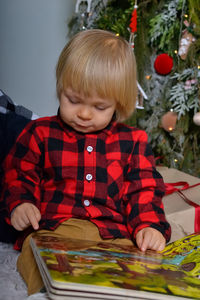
(72, 228)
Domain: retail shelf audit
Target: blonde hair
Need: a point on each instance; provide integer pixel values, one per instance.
(98, 61)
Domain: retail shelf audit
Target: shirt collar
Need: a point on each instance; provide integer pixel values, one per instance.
(108, 130)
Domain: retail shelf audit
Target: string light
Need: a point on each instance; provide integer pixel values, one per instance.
(175, 51)
(148, 77)
(175, 160)
(117, 34)
(186, 16)
(198, 67)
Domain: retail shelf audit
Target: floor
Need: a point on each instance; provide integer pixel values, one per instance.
(12, 286)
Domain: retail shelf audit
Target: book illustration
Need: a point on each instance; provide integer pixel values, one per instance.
(86, 267)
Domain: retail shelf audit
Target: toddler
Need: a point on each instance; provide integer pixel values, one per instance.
(83, 173)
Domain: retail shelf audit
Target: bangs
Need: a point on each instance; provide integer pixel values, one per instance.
(97, 77)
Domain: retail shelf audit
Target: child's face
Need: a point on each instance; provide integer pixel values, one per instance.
(85, 114)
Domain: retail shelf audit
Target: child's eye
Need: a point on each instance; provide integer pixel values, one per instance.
(73, 100)
(100, 107)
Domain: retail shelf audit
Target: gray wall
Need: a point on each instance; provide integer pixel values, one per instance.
(32, 34)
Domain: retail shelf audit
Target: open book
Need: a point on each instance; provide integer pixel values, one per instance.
(74, 269)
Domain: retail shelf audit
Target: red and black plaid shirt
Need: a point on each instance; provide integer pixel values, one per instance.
(108, 177)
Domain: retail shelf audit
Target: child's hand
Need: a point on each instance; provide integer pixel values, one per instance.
(25, 215)
(150, 238)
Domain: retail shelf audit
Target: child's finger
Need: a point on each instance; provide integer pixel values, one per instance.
(19, 224)
(142, 240)
(37, 213)
(162, 246)
(33, 216)
(145, 242)
(139, 238)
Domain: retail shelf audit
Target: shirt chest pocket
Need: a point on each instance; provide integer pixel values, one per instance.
(115, 171)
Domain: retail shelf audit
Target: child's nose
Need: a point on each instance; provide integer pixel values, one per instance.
(85, 113)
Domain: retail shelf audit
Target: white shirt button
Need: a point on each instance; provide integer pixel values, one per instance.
(89, 177)
(89, 149)
(86, 202)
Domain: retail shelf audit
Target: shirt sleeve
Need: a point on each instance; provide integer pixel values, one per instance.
(145, 189)
(22, 170)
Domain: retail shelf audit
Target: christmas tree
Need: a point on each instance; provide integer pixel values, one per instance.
(165, 36)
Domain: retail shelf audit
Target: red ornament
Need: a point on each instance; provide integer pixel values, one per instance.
(163, 64)
(133, 23)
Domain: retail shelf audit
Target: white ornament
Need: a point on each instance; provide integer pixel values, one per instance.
(196, 119)
(186, 40)
(78, 2)
(89, 2)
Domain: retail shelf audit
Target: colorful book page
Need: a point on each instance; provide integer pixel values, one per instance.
(88, 269)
